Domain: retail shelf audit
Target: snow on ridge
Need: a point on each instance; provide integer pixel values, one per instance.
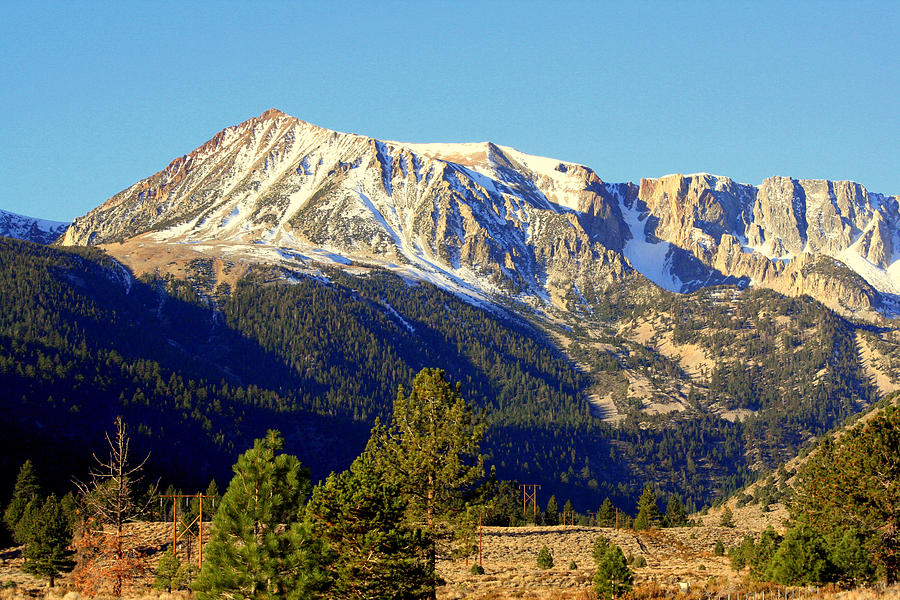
(653, 261)
(394, 312)
(43, 224)
(884, 280)
(22, 227)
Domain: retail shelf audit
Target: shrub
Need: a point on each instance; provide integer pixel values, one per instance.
(477, 569)
(719, 549)
(572, 566)
(727, 519)
(544, 558)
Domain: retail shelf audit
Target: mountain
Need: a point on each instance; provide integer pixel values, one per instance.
(39, 231)
(695, 392)
(677, 331)
(497, 223)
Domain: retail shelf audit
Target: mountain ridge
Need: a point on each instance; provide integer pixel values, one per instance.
(494, 221)
(40, 231)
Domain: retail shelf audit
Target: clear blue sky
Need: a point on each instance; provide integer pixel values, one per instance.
(98, 95)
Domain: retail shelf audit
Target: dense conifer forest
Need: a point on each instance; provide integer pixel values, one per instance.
(202, 372)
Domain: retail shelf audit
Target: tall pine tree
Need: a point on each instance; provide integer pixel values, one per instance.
(606, 516)
(430, 450)
(25, 493)
(613, 578)
(648, 511)
(360, 513)
(259, 547)
(47, 553)
(551, 515)
(675, 514)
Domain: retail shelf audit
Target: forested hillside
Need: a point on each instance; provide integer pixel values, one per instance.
(199, 371)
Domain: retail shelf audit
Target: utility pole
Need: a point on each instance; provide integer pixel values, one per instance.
(529, 492)
(188, 528)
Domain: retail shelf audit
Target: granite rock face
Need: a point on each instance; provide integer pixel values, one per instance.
(506, 223)
(771, 234)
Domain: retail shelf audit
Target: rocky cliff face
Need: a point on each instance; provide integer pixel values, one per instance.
(771, 234)
(496, 221)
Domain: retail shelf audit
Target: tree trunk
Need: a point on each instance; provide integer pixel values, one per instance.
(432, 551)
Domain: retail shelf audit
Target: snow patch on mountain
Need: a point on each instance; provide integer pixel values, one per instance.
(886, 281)
(397, 316)
(652, 259)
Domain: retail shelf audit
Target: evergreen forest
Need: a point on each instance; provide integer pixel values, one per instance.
(201, 371)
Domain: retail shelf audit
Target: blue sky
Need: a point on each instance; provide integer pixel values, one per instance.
(97, 96)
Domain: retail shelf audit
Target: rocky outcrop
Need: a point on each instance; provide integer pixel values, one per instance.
(875, 243)
(780, 212)
(503, 221)
(769, 236)
(693, 212)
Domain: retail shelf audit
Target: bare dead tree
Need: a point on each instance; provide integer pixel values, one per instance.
(109, 499)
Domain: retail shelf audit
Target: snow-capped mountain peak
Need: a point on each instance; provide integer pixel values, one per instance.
(491, 220)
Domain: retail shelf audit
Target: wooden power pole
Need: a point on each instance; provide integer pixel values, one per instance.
(529, 492)
(188, 528)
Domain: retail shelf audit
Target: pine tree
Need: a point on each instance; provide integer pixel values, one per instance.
(569, 511)
(601, 545)
(47, 552)
(259, 548)
(545, 558)
(430, 449)
(211, 504)
(606, 516)
(360, 514)
(24, 531)
(675, 514)
(25, 492)
(849, 556)
(503, 508)
(727, 519)
(850, 484)
(801, 559)
(551, 515)
(648, 511)
(166, 571)
(613, 577)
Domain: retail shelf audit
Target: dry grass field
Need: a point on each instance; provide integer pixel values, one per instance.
(680, 563)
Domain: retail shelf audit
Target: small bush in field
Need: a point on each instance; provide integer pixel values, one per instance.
(545, 559)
